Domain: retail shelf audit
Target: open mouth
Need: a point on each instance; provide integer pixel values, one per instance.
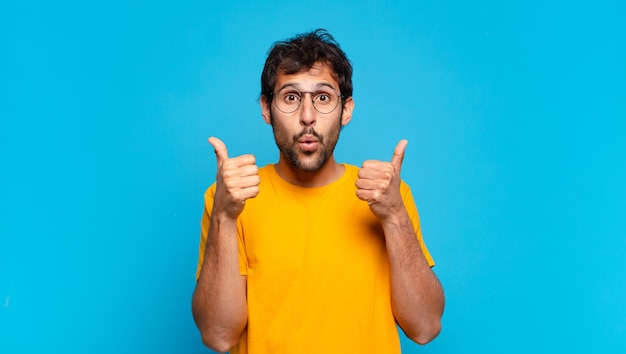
(308, 143)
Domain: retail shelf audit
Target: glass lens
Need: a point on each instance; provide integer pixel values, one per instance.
(288, 100)
(325, 101)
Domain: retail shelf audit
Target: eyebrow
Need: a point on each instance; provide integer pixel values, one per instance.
(316, 87)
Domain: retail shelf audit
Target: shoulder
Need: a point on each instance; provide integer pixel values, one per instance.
(267, 173)
(210, 192)
(267, 169)
(351, 171)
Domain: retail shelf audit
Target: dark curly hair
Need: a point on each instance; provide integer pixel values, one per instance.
(301, 53)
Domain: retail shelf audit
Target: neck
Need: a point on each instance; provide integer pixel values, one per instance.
(327, 174)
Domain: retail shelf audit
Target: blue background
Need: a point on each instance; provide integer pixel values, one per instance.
(514, 111)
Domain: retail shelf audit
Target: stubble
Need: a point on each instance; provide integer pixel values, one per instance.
(308, 161)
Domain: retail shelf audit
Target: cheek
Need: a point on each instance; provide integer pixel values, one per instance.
(332, 125)
(284, 123)
(280, 128)
(281, 135)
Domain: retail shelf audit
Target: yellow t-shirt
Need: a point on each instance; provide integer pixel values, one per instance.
(316, 268)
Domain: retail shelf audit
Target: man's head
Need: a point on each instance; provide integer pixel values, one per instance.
(300, 54)
(307, 98)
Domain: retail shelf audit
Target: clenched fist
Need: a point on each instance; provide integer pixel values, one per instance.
(237, 180)
(378, 184)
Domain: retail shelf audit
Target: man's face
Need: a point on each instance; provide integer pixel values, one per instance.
(305, 137)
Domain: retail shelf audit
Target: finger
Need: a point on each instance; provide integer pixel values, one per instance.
(371, 184)
(243, 160)
(371, 197)
(248, 170)
(220, 149)
(243, 182)
(229, 173)
(373, 164)
(398, 154)
(377, 170)
(361, 195)
(249, 192)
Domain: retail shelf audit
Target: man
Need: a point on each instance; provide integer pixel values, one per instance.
(309, 255)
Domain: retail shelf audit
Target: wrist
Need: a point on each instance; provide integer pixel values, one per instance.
(224, 218)
(396, 220)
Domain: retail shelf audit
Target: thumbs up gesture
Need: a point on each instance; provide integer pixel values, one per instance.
(237, 180)
(378, 183)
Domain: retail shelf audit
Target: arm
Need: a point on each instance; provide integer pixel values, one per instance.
(416, 295)
(219, 301)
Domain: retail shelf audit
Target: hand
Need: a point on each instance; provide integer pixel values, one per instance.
(237, 180)
(378, 184)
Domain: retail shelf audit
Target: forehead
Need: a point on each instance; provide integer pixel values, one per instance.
(320, 74)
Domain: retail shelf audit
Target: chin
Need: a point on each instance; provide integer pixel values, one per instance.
(311, 164)
(305, 161)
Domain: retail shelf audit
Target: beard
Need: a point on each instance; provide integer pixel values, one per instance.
(308, 161)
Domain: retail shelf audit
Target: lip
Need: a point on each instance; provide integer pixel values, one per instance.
(308, 143)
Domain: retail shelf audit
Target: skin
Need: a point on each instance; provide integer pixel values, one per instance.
(316, 164)
(417, 298)
(219, 301)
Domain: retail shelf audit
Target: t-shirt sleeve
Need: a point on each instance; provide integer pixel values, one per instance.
(409, 204)
(209, 196)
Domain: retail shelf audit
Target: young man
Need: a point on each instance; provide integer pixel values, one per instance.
(309, 255)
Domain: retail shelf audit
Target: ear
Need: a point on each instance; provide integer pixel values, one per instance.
(348, 107)
(265, 110)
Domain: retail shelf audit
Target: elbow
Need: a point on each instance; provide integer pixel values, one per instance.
(219, 333)
(220, 338)
(217, 343)
(426, 333)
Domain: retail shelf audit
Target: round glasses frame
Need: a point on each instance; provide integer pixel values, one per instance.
(300, 95)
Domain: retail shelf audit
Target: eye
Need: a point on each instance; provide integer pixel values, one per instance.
(291, 97)
(323, 97)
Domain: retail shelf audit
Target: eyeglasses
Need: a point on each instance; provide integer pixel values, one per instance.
(288, 100)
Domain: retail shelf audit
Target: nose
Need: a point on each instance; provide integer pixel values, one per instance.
(307, 111)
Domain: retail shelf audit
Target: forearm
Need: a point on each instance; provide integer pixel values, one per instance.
(416, 295)
(219, 301)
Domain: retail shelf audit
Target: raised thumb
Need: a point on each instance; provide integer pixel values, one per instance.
(221, 153)
(398, 154)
